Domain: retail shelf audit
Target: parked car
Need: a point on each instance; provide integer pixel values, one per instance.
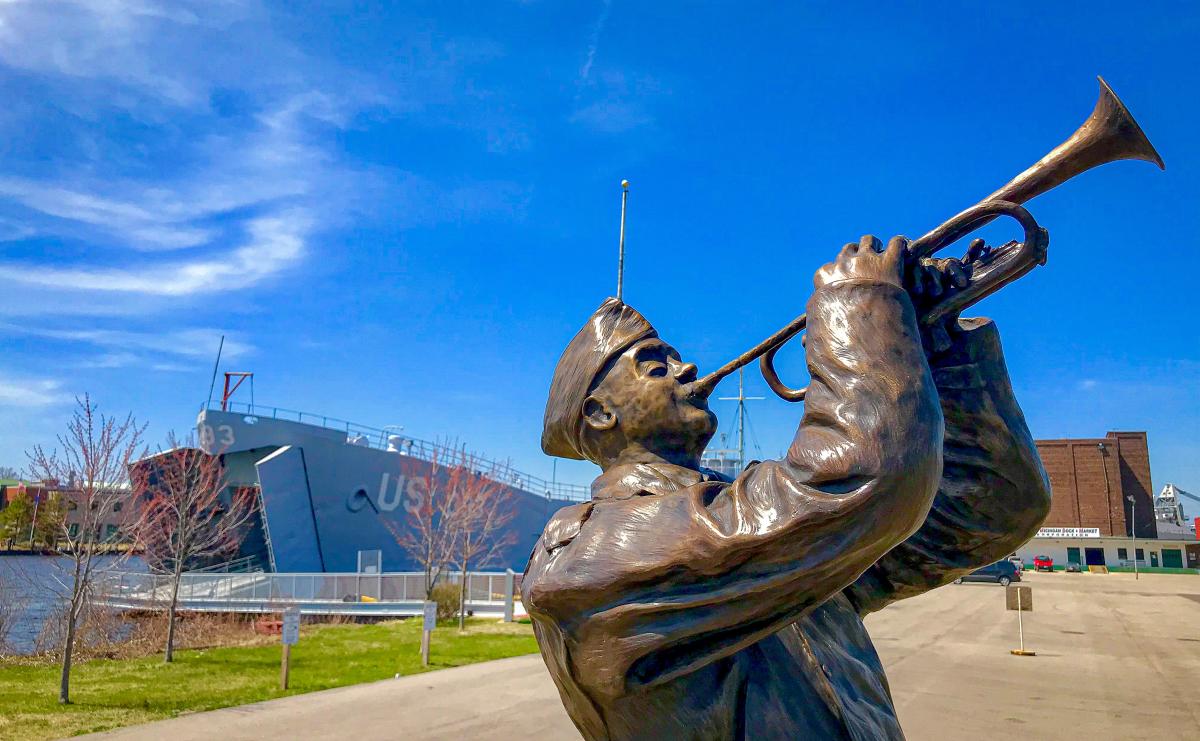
(1018, 562)
(1043, 563)
(1073, 568)
(1001, 572)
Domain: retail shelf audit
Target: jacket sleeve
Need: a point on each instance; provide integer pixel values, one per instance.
(654, 587)
(993, 494)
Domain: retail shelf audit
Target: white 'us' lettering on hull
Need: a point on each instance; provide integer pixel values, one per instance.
(409, 492)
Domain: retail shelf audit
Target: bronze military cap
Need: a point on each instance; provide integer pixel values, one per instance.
(610, 331)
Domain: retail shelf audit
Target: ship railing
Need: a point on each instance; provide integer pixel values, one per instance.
(395, 594)
(378, 438)
(238, 565)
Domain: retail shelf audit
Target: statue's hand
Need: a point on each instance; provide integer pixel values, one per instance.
(927, 280)
(866, 260)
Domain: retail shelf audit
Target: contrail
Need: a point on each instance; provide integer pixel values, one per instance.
(594, 42)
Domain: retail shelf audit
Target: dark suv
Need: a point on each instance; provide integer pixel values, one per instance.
(1001, 572)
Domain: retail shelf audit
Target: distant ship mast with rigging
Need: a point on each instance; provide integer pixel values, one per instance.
(732, 461)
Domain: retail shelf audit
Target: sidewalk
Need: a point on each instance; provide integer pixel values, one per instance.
(513, 697)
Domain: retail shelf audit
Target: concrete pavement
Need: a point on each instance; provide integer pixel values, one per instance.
(1116, 659)
(513, 697)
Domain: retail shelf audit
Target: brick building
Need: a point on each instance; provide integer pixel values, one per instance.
(1093, 479)
(1098, 485)
(112, 524)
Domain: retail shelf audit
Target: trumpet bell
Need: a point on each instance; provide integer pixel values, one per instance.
(1108, 135)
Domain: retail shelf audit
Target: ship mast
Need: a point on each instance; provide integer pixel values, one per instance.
(732, 461)
(741, 399)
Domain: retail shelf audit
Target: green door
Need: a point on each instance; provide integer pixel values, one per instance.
(1073, 556)
(1172, 558)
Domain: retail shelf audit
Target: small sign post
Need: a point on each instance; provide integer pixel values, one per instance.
(430, 622)
(1020, 599)
(289, 633)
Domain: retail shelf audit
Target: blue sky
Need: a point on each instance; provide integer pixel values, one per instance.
(401, 215)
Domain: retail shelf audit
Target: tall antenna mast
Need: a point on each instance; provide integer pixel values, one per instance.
(216, 365)
(621, 254)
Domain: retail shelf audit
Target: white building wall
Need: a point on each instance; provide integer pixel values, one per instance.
(1056, 548)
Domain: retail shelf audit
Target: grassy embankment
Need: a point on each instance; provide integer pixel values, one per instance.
(110, 693)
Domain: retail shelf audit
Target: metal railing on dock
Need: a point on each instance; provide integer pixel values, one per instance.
(388, 594)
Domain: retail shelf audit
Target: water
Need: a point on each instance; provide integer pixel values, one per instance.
(36, 585)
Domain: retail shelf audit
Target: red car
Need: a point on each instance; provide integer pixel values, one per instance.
(1043, 563)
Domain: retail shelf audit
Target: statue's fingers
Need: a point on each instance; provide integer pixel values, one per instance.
(870, 242)
(958, 276)
(975, 250)
(897, 249)
(933, 280)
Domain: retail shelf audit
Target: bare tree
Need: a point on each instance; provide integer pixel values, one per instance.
(482, 508)
(426, 534)
(93, 458)
(183, 520)
(8, 472)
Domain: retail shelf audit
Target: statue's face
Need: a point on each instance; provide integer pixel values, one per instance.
(648, 393)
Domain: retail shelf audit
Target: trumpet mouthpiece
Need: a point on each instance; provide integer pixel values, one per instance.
(704, 387)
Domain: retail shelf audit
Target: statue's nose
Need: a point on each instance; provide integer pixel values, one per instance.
(686, 373)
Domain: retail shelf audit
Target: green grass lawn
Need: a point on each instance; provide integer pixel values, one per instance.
(110, 693)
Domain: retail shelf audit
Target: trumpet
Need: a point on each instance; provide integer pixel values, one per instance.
(1109, 134)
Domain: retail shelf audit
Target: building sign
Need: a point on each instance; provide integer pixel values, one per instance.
(430, 612)
(1018, 598)
(290, 630)
(1069, 532)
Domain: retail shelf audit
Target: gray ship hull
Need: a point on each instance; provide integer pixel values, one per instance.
(329, 492)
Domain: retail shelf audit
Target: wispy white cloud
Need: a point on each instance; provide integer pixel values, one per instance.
(273, 244)
(610, 101)
(129, 42)
(184, 343)
(618, 103)
(10, 231)
(223, 202)
(16, 391)
(594, 42)
(111, 360)
(234, 201)
(612, 116)
(148, 226)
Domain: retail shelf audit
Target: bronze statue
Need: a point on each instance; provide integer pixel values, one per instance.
(680, 604)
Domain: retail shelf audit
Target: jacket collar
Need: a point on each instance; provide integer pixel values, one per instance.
(648, 479)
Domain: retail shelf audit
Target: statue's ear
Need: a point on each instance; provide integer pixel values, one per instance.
(598, 415)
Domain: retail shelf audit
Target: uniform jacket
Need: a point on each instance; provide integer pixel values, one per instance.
(679, 605)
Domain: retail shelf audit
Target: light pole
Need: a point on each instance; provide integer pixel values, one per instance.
(37, 499)
(1107, 488)
(1133, 533)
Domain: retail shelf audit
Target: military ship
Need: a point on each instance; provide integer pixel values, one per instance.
(330, 490)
